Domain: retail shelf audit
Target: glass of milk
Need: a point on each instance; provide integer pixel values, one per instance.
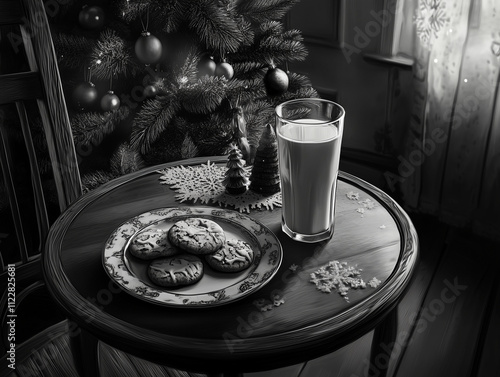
(309, 133)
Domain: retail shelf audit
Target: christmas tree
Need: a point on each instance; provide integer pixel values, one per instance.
(265, 177)
(235, 178)
(152, 81)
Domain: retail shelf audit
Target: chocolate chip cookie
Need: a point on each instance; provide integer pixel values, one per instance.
(197, 236)
(179, 270)
(150, 244)
(233, 256)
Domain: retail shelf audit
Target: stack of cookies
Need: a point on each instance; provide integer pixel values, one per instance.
(176, 256)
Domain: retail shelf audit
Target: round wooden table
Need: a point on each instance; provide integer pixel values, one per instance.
(378, 238)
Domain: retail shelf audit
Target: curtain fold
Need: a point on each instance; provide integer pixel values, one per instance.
(451, 164)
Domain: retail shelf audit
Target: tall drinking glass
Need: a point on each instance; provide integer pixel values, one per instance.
(309, 133)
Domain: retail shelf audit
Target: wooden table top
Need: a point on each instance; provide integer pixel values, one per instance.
(237, 336)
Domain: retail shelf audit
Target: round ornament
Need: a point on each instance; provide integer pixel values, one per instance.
(206, 66)
(224, 69)
(110, 101)
(148, 48)
(85, 95)
(91, 17)
(276, 81)
(150, 91)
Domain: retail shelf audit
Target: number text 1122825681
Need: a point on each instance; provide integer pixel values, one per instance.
(11, 315)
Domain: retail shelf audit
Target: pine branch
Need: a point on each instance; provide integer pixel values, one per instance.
(248, 70)
(131, 10)
(72, 50)
(293, 35)
(214, 26)
(187, 71)
(163, 15)
(125, 160)
(297, 81)
(259, 11)
(281, 50)
(245, 26)
(258, 114)
(90, 128)
(204, 96)
(247, 31)
(154, 117)
(276, 54)
(243, 91)
(304, 92)
(270, 28)
(214, 135)
(273, 45)
(112, 56)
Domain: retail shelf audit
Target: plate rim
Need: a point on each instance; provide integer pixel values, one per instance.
(192, 211)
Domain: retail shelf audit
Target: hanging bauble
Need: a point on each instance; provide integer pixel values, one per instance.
(276, 81)
(110, 102)
(148, 48)
(85, 95)
(91, 17)
(224, 69)
(150, 91)
(206, 66)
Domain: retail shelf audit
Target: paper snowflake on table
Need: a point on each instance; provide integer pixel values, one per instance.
(204, 183)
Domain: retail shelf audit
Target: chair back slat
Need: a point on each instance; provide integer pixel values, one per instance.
(8, 170)
(10, 12)
(20, 86)
(41, 55)
(40, 206)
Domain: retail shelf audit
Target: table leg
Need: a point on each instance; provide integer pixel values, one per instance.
(384, 340)
(84, 350)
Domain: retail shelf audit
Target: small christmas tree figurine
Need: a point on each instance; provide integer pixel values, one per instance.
(265, 172)
(235, 180)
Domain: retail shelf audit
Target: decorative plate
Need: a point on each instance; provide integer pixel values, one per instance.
(214, 288)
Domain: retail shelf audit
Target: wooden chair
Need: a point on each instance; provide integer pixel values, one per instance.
(25, 41)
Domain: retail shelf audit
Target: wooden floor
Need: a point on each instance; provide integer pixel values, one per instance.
(448, 324)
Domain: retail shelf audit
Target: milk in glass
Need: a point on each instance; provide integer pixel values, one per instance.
(309, 152)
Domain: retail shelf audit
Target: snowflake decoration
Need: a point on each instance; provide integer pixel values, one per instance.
(293, 267)
(204, 183)
(351, 195)
(430, 19)
(263, 305)
(374, 283)
(338, 276)
(367, 203)
(278, 300)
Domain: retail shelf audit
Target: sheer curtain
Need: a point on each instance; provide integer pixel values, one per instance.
(451, 163)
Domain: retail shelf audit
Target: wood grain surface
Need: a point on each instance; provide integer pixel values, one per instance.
(237, 336)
